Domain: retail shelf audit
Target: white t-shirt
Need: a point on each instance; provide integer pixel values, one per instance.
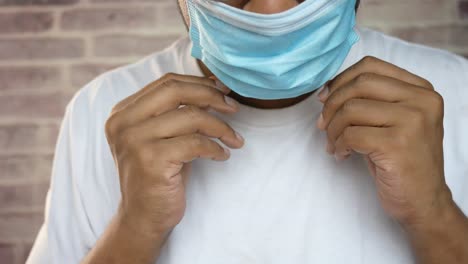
(279, 199)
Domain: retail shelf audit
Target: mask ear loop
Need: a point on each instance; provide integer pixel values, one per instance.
(185, 13)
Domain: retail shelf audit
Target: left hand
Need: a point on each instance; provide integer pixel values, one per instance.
(395, 119)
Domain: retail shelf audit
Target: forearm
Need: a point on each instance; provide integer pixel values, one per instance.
(442, 240)
(122, 244)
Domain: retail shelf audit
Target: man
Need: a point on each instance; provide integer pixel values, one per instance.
(262, 187)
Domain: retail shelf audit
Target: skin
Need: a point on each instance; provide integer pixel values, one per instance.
(394, 119)
(391, 117)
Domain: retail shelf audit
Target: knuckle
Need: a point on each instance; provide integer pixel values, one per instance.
(170, 83)
(355, 66)
(111, 126)
(173, 89)
(427, 84)
(436, 102)
(116, 107)
(369, 60)
(168, 76)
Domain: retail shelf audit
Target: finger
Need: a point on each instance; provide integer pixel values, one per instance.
(369, 86)
(374, 65)
(220, 85)
(210, 82)
(186, 148)
(184, 121)
(363, 112)
(186, 171)
(172, 95)
(360, 139)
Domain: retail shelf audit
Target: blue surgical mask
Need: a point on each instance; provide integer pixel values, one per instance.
(273, 56)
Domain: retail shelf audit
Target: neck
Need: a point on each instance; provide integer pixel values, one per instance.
(257, 103)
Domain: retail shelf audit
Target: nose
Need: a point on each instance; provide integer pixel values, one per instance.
(269, 6)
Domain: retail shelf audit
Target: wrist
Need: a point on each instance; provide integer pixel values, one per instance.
(124, 242)
(440, 214)
(140, 227)
(441, 236)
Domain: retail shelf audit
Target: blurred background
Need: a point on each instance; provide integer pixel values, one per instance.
(51, 48)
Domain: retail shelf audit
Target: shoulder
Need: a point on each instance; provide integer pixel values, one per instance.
(447, 71)
(107, 89)
(432, 62)
(90, 107)
(93, 173)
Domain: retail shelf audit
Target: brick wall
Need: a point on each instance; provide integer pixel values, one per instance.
(50, 48)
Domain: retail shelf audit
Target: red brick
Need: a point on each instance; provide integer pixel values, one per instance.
(40, 48)
(130, 45)
(20, 226)
(440, 36)
(32, 106)
(22, 196)
(25, 167)
(22, 145)
(463, 7)
(37, 2)
(459, 36)
(19, 22)
(27, 137)
(30, 78)
(25, 249)
(405, 12)
(83, 73)
(7, 253)
(109, 18)
(130, 2)
(170, 17)
(434, 36)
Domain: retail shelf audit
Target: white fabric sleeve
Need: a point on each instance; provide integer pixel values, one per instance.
(66, 231)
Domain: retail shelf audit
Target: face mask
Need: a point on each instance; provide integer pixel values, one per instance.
(273, 56)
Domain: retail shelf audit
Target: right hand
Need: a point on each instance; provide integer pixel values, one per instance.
(153, 141)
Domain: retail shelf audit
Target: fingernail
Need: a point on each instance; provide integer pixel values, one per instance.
(323, 94)
(321, 122)
(227, 152)
(342, 157)
(231, 102)
(220, 86)
(239, 137)
(339, 158)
